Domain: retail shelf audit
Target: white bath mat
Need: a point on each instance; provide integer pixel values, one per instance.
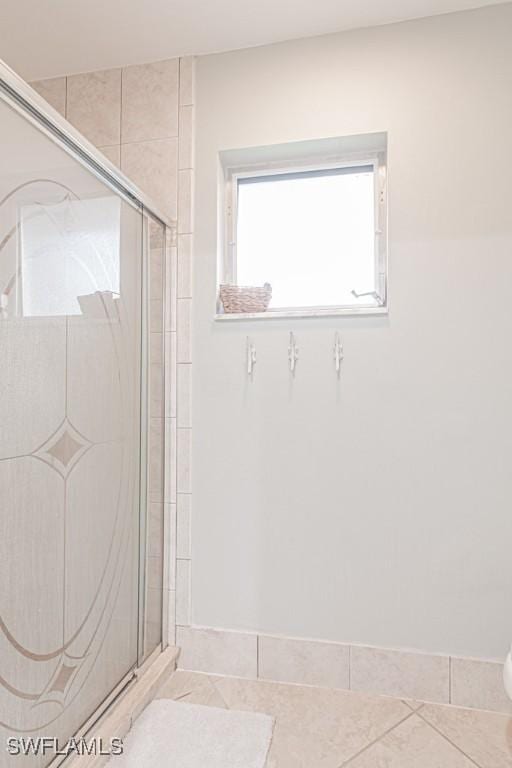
(173, 735)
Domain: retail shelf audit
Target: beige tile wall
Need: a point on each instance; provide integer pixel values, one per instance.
(183, 388)
(142, 119)
(463, 682)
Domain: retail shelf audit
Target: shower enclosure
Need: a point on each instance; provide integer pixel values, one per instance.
(82, 257)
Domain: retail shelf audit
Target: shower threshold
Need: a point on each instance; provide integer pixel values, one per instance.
(128, 702)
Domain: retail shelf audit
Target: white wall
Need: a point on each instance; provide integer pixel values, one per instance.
(375, 509)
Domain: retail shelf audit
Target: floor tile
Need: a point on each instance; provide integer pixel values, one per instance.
(208, 696)
(325, 728)
(182, 683)
(486, 737)
(412, 744)
(314, 726)
(192, 688)
(413, 704)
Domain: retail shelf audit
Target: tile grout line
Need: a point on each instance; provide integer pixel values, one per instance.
(120, 111)
(182, 696)
(213, 683)
(173, 295)
(147, 141)
(180, 67)
(375, 741)
(175, 553)
(177, 189)
(189, 588)
(189, 341)
(434, 728)
(167, 547)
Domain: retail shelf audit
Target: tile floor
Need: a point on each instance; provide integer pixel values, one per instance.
(324, 728)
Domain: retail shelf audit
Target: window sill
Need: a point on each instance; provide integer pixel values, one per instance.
(277, 314)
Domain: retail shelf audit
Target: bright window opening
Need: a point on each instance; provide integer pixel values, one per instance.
(311, 235)
(312, 229)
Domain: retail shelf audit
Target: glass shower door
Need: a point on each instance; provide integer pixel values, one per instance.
(70, 429)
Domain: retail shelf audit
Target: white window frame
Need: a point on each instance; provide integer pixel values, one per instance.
(377, 294)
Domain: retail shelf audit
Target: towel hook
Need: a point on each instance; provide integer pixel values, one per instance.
(293, 352)
(338, 352)
(251, 357)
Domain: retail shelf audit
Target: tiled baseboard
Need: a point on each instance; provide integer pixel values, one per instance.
(473, 683)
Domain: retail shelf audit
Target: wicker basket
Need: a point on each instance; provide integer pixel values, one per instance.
(245, 298)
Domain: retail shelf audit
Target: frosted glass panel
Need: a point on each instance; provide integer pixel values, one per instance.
(68, 249)
(71, 316)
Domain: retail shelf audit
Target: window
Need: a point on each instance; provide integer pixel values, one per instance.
(315, 232)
